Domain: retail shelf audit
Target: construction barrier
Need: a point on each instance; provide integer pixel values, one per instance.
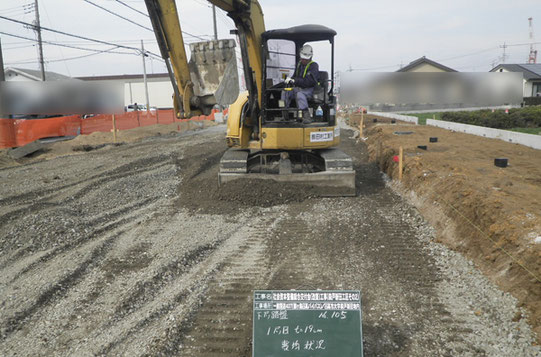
(19, 132)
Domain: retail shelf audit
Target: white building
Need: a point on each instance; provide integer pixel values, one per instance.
(23, 74)
(531, 76)
(160, 90)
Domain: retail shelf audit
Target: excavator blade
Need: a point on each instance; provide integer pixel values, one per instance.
(330, 171)
(213, 71)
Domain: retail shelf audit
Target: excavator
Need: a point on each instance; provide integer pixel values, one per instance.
(267, 139)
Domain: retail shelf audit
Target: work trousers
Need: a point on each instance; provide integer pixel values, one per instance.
(301, 96)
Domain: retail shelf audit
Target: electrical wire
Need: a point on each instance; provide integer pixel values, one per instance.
(23, 7)
(469, 54)
(134, 9)
(64, 59)
(135, 23)
(63, 45)
(117, 15)
(67, 34)
(16, 47)
(56, 38)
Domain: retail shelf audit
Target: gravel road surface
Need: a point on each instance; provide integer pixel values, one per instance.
(132, 250)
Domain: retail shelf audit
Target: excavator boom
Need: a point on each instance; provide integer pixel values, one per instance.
(210, 77)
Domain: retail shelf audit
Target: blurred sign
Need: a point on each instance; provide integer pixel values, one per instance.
(61, 97)
(430, 90)
(307, 323)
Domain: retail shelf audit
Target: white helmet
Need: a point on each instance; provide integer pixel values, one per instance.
(306, 52)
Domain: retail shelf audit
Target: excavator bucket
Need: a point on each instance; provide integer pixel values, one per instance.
(213, 71)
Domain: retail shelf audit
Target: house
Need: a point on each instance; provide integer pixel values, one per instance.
(531, 76)
(424, 64)
(23, 74)
(160, 90)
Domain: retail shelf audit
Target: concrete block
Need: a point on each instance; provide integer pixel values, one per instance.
(28, 149)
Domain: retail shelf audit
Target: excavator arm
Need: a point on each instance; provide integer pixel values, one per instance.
(250, 24)
(210, 77)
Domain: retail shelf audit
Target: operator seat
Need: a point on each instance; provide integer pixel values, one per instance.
(321, 92)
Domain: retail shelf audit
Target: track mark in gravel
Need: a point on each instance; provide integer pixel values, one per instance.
(147, 290)
(222, 326)
(293, 247)
(414, 269)
(140, 165)
(78, 242)
(59, 288)
(40, 199)
(207, 164)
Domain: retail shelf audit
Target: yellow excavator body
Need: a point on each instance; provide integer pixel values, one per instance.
(267, 139)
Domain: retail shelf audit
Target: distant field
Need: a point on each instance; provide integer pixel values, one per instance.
(437, 115)
(424, 116)
(536, 131)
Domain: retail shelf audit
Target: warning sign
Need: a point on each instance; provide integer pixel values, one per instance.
(307, 323)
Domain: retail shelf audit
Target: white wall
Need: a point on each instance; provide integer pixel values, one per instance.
(531, 140)
(160, 93)
(408, 118)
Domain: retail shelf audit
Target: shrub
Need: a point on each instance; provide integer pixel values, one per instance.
(528, 117)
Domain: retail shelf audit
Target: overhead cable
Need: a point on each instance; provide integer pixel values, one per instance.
(117, 15)
(63, 45)
(134, 9)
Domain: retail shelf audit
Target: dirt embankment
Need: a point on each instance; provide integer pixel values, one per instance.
(490, 214)
(98, 140)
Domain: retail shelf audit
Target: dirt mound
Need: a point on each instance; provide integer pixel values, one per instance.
(266, 193)
(199, 191)
(6, 160)
(100, 140)
(488, 213)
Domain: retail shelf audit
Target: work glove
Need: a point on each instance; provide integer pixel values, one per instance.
(289, 80)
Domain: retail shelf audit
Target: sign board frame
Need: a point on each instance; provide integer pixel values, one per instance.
(301, 323)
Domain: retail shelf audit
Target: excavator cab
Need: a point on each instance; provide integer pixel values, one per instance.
(279, 145)
(281, 58)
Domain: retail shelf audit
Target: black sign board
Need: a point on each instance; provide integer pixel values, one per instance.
(307, 323)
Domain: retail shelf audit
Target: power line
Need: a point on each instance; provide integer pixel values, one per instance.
(134, 9)
(524, 44)
(70, 35)
(66, 59)
(63, 45)
(56, 38)
(469, 54)
(16, 47)
(135, 23)
(23, 7)
(117, 15)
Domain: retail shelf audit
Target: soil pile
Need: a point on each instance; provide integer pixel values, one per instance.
(486, 212)
(199, 169)
(99, 140)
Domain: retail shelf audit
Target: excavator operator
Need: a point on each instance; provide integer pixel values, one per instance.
(304, 80)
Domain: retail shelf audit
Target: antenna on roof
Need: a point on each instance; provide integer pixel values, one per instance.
(532, 58)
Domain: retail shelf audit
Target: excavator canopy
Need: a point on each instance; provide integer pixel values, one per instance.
(301, 34)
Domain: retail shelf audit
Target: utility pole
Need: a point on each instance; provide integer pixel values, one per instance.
(37, 28)
(532, 57)
(143, 54)
(214, 18)
(504, 55)
(2, 74)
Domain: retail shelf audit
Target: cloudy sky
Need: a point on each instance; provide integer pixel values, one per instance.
(372, 35)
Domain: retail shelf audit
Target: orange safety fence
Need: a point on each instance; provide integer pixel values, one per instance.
(19, 132)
